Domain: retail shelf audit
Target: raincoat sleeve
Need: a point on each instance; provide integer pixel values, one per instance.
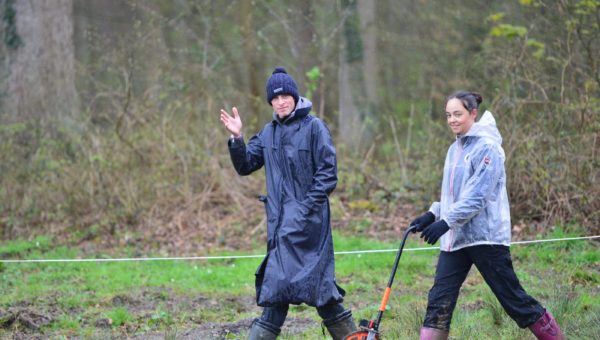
(435, 209)
(489, 167)
(247, 158)
(324, 159)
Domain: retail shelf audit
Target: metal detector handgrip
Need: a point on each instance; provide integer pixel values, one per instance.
(388, 290)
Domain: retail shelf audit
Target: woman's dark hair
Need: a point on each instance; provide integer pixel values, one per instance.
(470, 100)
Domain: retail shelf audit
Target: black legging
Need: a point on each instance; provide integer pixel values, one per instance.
(495, 265)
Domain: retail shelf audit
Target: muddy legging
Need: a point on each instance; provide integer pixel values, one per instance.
(495, 265)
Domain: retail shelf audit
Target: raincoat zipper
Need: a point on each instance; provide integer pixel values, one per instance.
(459, 151)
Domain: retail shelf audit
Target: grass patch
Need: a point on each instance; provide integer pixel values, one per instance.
(118, 316)
(22, 247)
(171, 296)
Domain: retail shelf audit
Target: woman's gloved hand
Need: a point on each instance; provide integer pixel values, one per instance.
(432, 233)
(422, 221)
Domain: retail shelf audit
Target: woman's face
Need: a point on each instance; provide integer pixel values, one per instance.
(459, 118)
(283, 104)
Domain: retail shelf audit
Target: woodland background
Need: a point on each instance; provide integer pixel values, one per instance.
(109, 110)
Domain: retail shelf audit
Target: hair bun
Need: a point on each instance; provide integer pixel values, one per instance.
(478, 97)
(279, 69)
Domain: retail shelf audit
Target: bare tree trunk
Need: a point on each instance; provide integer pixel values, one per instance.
(352, 98)
(41, 70)
(366, 12)
(349, 117)
(304, 34)
(255, 78)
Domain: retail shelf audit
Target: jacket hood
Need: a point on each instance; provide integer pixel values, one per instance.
(486, 128)
(301, 110)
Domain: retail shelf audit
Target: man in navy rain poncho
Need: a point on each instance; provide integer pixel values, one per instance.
(301, 169)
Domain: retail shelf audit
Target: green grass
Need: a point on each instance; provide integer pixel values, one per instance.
(166, 296)
(22, 246)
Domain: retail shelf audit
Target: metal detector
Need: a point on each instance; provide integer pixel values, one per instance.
(369, 329)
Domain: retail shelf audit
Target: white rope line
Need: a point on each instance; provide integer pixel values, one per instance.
(231, 257)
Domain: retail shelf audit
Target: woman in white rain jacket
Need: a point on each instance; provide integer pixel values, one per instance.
(473, 221)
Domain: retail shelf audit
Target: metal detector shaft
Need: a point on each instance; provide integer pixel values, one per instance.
(388, 290)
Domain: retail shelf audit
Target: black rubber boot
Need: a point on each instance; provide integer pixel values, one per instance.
(340, 325)
(262, 330)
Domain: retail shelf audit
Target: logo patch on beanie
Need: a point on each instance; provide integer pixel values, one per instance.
(277, 90)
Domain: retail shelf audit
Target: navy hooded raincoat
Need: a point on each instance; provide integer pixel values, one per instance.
(300, 166)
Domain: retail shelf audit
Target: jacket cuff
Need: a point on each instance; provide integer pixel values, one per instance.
(235, 142)
(448, 223)
(435, 209)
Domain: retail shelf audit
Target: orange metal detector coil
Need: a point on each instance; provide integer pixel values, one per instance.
(384, 301)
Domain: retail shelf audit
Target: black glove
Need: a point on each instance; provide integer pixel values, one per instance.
(432, 233)
(422, 221)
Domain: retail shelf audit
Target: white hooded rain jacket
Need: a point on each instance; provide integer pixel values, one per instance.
(474, 201)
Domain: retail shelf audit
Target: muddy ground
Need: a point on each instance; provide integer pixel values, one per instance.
(26, 320)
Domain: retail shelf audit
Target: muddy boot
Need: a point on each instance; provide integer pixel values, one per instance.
(432, 334)
(262, 330)
(546, 328)
(340, 325)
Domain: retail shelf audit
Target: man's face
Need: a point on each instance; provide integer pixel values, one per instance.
(283, 105)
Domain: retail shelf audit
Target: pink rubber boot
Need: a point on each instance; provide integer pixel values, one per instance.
(432, 334)
(546, 328)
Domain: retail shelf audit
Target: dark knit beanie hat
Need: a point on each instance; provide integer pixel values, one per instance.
(281, 83)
